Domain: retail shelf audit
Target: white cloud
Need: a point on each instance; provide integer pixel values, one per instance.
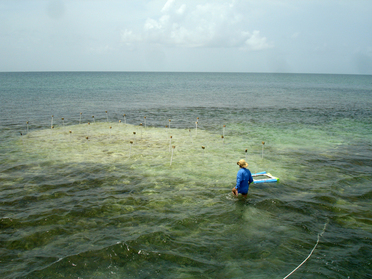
(218, 24)
(256, 42)
(181, 10)
(167, 6)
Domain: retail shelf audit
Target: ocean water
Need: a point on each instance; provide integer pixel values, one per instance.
(133, 194)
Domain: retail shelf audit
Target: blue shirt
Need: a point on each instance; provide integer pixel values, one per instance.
(243, 179)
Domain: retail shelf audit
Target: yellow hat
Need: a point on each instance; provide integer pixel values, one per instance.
(242, 163)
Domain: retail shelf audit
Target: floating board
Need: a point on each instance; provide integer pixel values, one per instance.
(263, 177)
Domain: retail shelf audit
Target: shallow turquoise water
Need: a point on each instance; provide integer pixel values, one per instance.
(102, 207)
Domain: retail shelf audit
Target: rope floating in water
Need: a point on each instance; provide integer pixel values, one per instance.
(319, 235)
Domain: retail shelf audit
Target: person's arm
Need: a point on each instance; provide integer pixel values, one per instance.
(238, 180)
(250, 179)
(235, 191)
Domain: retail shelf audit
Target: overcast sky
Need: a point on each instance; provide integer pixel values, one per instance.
(303, 36)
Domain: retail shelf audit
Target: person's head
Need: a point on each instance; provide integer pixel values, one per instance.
(242, 163)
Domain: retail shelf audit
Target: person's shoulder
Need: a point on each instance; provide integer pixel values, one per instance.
(244, 170)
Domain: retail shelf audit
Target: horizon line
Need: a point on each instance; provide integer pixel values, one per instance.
(204, 72)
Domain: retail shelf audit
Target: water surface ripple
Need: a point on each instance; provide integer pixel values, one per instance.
(91, 204)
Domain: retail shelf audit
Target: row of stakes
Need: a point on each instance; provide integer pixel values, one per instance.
(63, 119)
(134, 133)
(125, 121)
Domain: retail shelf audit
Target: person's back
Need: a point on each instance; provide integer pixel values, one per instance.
(243, 179)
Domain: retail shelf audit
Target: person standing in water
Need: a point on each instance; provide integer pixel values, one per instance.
(243, 179)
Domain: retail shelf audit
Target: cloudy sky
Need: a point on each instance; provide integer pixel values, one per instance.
(303, 36)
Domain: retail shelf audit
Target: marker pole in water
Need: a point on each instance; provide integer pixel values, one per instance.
(94, 121)
(145, 121)
(169, 123)
(63, 121)
(87, 138)
(246, 156)
(125, 120)
(173, 147)
(51, 124)
(80, 117)
(106, 116)
(263, 143)
(130, 149)
(141, 129)
(27, 126)
(196, 127)
(223, 139)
